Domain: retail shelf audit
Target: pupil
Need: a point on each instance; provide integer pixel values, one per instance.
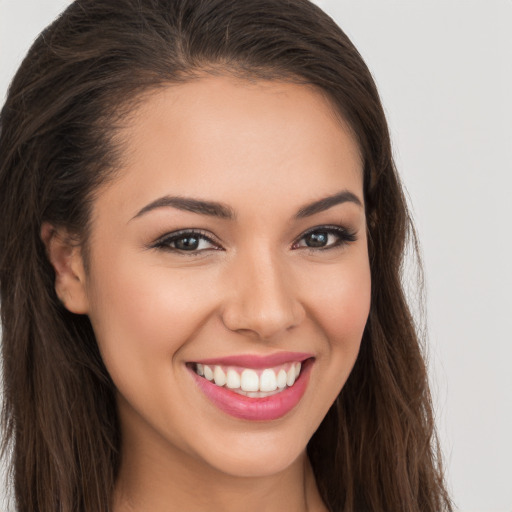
(318, 239)
(188, 243)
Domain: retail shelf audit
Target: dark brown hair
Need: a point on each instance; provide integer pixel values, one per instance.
(376, 449)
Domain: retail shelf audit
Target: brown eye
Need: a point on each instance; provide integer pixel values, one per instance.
(191, 242)
(187, 243)
(317, 239)
(325, 237)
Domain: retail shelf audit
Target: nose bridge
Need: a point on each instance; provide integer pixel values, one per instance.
(263, 298)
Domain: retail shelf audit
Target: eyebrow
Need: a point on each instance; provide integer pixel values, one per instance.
(327, 202)
(223, 211)
(189, 204)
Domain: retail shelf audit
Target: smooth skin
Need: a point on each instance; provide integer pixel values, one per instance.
(260, 280)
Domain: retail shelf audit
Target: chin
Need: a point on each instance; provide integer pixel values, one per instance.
(256, 454)
(259, 463)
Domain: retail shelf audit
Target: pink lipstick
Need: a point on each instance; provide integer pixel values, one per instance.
(257, 361)
(249, 404)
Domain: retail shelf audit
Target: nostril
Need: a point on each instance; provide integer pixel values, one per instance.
(262, 299)
(265, 321)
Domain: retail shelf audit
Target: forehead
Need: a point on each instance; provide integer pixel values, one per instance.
(234, 139)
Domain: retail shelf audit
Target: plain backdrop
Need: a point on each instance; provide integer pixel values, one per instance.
(444, 71)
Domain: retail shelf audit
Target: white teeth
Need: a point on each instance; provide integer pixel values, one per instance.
(281, 379)
(233, 379)
(208, 373)
(290, 377)
(268, 381)
(219, 376)
(249, 380)
(257, 394)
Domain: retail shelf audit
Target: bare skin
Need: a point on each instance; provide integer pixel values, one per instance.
(216, 491)
(271, 277)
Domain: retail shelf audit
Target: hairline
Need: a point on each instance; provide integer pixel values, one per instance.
(127, 109)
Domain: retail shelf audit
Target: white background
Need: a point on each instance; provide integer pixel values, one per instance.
(444, 70)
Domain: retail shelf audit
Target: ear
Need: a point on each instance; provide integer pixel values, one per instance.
(65, 255)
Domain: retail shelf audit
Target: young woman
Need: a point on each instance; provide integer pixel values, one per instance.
(201, 235)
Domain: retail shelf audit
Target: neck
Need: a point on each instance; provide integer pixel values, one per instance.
(156, 477)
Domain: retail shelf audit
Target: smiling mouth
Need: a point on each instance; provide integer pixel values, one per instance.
(254, 388)
(251, 382)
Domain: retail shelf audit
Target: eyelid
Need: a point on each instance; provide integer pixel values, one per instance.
(346, 236)
(164, 241)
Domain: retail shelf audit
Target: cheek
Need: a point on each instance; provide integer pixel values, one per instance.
(341, 305)
(340, 310)
(140, 316)
(344, 316)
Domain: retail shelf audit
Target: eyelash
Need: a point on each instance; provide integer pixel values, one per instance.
(165, 242)
(344, 237)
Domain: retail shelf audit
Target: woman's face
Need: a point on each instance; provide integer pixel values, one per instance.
(232, 244)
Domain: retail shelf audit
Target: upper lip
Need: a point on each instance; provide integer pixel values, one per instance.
(257, 360)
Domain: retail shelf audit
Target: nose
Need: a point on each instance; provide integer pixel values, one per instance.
(263, 298)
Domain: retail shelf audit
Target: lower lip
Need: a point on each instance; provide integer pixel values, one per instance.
(256, 409)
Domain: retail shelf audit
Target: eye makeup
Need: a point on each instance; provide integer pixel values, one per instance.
(186, 241)
(192, 242)
(325, 237)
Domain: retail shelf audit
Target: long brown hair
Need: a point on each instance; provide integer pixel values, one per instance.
(376, 449)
